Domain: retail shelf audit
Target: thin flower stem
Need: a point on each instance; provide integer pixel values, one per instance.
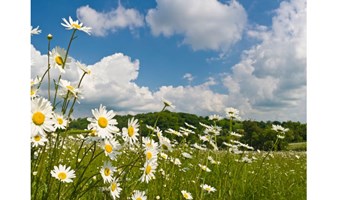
(63, 66)
(48, 70)
(59, 189)
(78, 86)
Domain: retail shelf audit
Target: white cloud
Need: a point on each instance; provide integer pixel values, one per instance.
(189, 77)
(111, 83)
(103, 22)
(271, 77)
(205, 24)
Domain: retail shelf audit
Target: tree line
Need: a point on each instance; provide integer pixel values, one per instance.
(257, 134)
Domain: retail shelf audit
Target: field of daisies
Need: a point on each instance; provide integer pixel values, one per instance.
(106, 162)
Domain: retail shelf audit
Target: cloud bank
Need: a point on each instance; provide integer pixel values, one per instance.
(204, 24)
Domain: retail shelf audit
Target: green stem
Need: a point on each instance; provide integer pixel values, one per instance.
(48, 71)
(78, 86)
(63, 66)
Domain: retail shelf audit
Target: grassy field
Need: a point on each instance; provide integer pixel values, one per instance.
(275, 175)
(300, 146)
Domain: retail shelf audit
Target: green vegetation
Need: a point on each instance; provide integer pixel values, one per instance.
(257, 134)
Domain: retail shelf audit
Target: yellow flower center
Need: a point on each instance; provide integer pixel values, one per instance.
(38, 118)
(103, 122)
(60, 120)
(59, 60)
(130, 131)
(138, 198)
(70, 88)
(108, 148)
(208, 189)
(149, 144)
(148, 169)
(76, 26)
(113, 187)
(37, 138)
(186, 195)
(62, 175)
(106, 171)
(32, 92)
(149, 155)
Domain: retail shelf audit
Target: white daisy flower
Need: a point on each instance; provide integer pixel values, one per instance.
(204, 167)
(149, 143)
(42, 116)
(279, 129)
(167, 103)
(34, 93)
(215, 117)
(35, 81)
(107, 171)
(139, 195)
(130, 134)
(236, 134)
(186, 155)
(60, 121)
(151, 154)
(68, 89)
(164, 156)
(165, 143)
(111, 148)
(171, 131)
(103, 122)
(208, 188)
(38, 140)
(186, 195)
(232, 113)
(75, 25)
(57, 57)
(189, 125)
(63, 174)
(83, 67)
(148, 171)
(35, 31)
(115, 188)
(177, 162)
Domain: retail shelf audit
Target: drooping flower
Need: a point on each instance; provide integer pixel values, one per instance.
(63, 174)
(75, 25)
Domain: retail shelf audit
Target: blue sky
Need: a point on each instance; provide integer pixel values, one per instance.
(201, 55)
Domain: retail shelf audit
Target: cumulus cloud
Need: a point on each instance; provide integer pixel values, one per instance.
(204, 24)
(271, 76)
(103, 22)
(112, 83)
